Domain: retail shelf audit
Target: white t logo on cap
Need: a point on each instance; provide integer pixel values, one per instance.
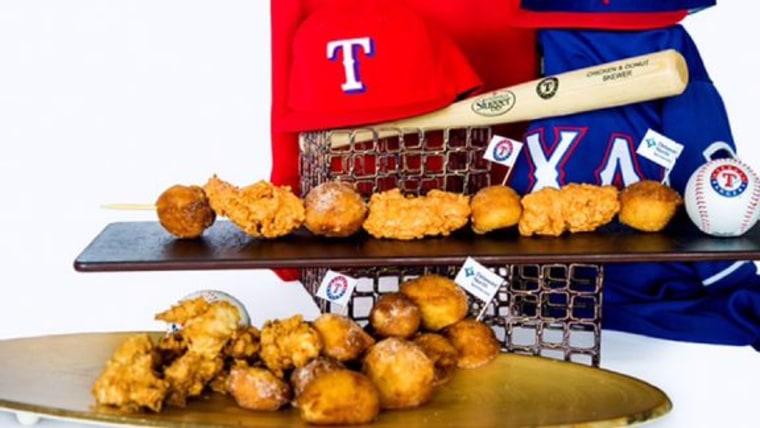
(350, 64)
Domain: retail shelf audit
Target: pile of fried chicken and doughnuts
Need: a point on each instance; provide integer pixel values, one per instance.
(336, 209)
(331, 369)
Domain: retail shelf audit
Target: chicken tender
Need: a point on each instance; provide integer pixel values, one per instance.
(542, 213)
(494, 207)
(402, 372)
(130, 380)
(475, 341)
(334, 209)
(261, 210)
(256, 388)
(339, 397)
(396, 315)
(648, 205)
(244, 344)
(441, 301)
(585, 207)
(171, 346)
(184, 311)
(395, 216)
(189, 375)
(574, 208)
(184, 211)
(288, 343)
(207, 327)
(342, 338)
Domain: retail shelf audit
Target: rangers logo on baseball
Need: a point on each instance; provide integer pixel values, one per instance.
(722, 197)
(729, 181)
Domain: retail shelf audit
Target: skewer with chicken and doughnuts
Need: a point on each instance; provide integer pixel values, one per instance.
(336, 210)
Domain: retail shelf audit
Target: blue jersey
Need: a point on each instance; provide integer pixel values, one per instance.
(704, 302)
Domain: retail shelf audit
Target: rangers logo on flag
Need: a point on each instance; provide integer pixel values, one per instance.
(336, 288)
(503, 150)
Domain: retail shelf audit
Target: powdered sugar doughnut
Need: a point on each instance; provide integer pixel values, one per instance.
(334, 209)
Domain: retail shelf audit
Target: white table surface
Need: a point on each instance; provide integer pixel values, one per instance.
(709, 385)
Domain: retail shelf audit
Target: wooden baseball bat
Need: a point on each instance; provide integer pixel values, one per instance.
(627, 81)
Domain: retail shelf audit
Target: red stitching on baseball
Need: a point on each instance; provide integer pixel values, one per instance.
(750, 212)
(699, 194)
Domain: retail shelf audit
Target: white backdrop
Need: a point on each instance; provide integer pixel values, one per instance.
(114, 101)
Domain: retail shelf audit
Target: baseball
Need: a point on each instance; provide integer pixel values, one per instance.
(721, 197)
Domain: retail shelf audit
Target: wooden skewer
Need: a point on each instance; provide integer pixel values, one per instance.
(129, 207)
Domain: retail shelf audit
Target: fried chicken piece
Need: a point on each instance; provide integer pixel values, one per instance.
(475, 341)
(441, 301)
(184, 211)
(206, 332)
(542, 213)
(585, 207)
(171, 346)
(241, 349)
(184, 311)
(130, 381)
(257, 388)
(219, 383)
(189, 375)
(402, 372)
(342, 338)
(494, 207)
(334, 209)
(288, 343)
(207, 327)
(574, 207)
(339, 397)
(244, 344)
(212, 296)
(261, 210)
(648, 205)
(395, 216)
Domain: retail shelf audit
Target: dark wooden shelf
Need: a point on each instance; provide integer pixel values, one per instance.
(146, 246)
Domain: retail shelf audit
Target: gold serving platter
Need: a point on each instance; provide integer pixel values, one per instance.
(52, 376)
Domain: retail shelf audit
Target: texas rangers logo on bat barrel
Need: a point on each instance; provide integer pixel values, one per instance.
(729, 180)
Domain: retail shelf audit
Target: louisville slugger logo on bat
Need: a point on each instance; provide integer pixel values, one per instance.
(494, 103)
(627, 81)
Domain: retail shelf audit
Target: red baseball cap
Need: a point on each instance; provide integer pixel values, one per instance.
(362, 62)
(606, 14)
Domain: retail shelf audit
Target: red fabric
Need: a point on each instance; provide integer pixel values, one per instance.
(601, 21)
(500, 54)
(361, 62)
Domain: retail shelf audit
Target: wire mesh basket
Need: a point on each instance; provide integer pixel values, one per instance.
(551, 310)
